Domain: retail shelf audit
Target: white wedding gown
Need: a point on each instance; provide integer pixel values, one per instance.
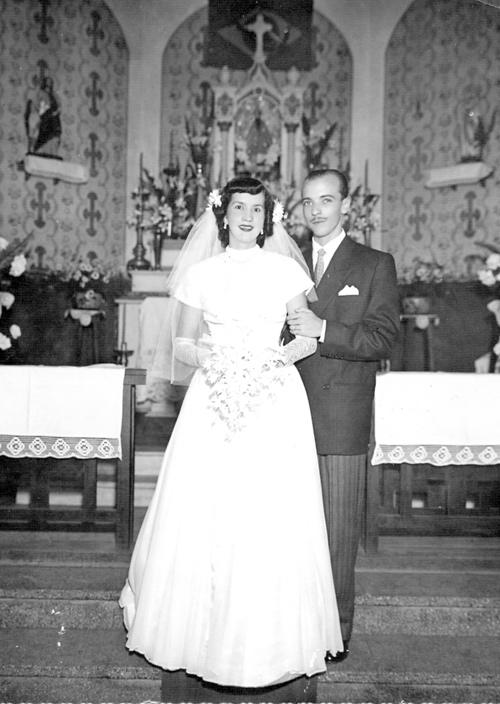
(230, 578)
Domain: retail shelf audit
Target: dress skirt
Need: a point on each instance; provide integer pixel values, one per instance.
(230, 577)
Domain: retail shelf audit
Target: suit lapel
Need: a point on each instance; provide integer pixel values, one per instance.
(335, 276)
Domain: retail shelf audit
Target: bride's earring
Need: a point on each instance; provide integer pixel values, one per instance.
(225, 223)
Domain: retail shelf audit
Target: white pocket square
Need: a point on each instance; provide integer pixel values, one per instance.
(349, 291)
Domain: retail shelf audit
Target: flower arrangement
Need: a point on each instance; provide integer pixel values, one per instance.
(163, 207)
(240, 379)
(88, 281)
(421, 283)
(362, 219)
(12, 264)
(315, 146)
(152, 211)
(423, 272)
(489, 275)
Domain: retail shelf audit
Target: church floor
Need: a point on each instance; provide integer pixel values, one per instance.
(427, 625)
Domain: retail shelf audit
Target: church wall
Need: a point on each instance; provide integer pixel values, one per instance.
(80, 46)
(442, 60)
(423, 53)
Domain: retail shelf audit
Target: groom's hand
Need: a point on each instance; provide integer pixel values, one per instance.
(304, 322)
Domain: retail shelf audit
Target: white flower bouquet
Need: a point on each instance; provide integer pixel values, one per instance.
(241, 379)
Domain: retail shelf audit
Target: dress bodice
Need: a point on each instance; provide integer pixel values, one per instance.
(243, 295)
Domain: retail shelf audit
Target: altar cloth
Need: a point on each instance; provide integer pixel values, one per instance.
(437, 418)
(61, 411)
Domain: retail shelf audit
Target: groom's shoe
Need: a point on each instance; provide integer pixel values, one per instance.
(339, 656)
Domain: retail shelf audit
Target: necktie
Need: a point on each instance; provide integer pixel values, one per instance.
(319, 269)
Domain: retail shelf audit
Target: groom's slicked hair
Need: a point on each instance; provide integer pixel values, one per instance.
(341, 177)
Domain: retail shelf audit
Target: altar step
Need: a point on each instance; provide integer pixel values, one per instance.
(87, 667)
(427, 623)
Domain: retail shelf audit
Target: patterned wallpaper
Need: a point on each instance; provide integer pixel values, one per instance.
(185, 79)
(442, 59)
(81, 47)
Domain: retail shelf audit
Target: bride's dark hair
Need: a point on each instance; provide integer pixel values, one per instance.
(244, 184)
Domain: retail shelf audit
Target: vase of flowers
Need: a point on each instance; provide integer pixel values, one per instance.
(420, 283)
(362, 220)
(12, 265)
(489, 275)
(161, 208)
(87, 280)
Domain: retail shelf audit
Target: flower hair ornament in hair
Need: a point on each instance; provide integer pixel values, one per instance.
(278, 211)
(214, 198)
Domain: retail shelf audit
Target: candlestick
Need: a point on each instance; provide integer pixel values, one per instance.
(141, 200)
(139, 260)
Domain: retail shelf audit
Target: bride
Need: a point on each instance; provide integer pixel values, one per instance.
(230, 577)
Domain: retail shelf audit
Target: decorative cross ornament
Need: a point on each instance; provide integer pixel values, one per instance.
(259, 27)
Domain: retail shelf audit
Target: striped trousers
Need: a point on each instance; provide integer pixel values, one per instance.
(343, 485)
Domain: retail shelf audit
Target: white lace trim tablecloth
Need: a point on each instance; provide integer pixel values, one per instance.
(61, 411)
(61, 447)
(439, 418)
(438, 455)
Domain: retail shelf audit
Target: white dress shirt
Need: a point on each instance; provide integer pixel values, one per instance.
(330, 249)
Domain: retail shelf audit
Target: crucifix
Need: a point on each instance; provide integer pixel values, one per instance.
(259, 27)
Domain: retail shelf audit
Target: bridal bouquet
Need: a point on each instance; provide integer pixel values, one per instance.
(241, 378)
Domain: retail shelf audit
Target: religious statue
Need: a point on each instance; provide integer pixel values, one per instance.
(475, 135)
(42, 119)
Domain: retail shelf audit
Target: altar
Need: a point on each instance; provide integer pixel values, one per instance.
(435, 455)
(69, 416)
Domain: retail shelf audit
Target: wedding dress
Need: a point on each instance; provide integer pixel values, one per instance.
(230, 578)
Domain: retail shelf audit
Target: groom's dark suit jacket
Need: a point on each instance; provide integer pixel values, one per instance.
(361, 330)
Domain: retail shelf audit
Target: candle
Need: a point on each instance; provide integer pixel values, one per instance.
(122, 306)
(141, 200)
(366, 175)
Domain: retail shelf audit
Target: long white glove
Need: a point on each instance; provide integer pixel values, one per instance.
(298, 348)
(187, 351)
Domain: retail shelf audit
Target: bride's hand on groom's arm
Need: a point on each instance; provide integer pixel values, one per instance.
(302, 321)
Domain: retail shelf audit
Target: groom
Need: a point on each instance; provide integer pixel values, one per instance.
(356, 321)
